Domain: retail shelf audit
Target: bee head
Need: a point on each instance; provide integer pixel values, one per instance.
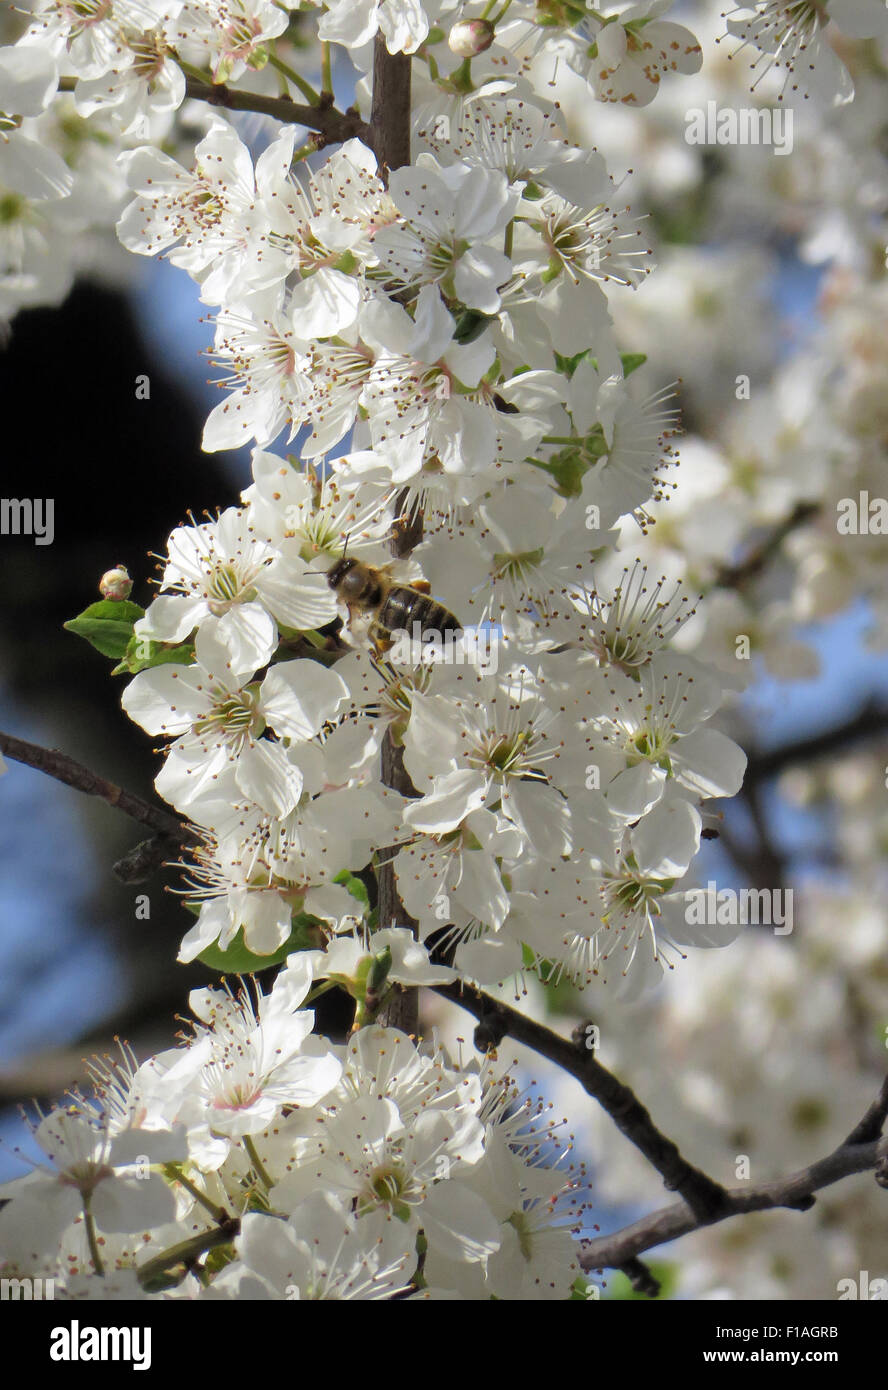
(346, 576)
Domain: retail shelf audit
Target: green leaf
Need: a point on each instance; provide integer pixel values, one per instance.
(470, 325)
(238, 959)
(107, 625)
(141, 653)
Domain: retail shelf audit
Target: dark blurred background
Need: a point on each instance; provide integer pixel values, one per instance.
(77, 966)
(122, 472)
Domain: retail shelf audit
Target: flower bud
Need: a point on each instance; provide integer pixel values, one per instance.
(116, 583)
(469, 37)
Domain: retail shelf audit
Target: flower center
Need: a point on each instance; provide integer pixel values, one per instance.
(234, 720)
(84, 13)
(518, 1220)
(387, 1186)
(518, 565)
(225, 587)
(504, 755)
(630, 896)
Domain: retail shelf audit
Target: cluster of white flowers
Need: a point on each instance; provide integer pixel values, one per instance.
(811, 445)
(316, 1165)
(765, 1057)
(786, 409)
(451, 341)
(792, 37)
(451, 325)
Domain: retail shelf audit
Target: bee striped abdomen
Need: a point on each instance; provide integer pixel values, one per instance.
(405, 606)
(386, 608)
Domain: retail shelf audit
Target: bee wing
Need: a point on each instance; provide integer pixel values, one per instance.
(406, 572)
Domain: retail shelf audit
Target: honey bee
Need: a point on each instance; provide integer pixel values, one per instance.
(385, 605)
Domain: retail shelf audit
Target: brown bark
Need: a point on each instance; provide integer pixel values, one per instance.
(389, 136)
(389, 133)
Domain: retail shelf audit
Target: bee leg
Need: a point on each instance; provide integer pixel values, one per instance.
(380, 639)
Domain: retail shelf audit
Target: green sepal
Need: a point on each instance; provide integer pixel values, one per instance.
(238, 959)
(142, 653)
(347, 263)
(568, 468)
(631, 361)
(216, 1259)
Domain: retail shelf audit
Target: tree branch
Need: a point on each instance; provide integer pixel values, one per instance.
(737, 575)
(854, 1155)
(705, 1198)
(765, 864)
(870, 1127)
(335, 126)
(871, 721)
(389, 138)
(401, 1009)
(66, 769)
(389, 133)
(641, 1278)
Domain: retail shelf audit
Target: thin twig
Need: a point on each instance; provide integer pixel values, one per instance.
(768, 865)
(870, 1127)
(870, 722)
(796, 1191)
(335, 126)
(144, 859)
(641, 1278)
(737, 575)
(704, 1197)
(66, 769)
